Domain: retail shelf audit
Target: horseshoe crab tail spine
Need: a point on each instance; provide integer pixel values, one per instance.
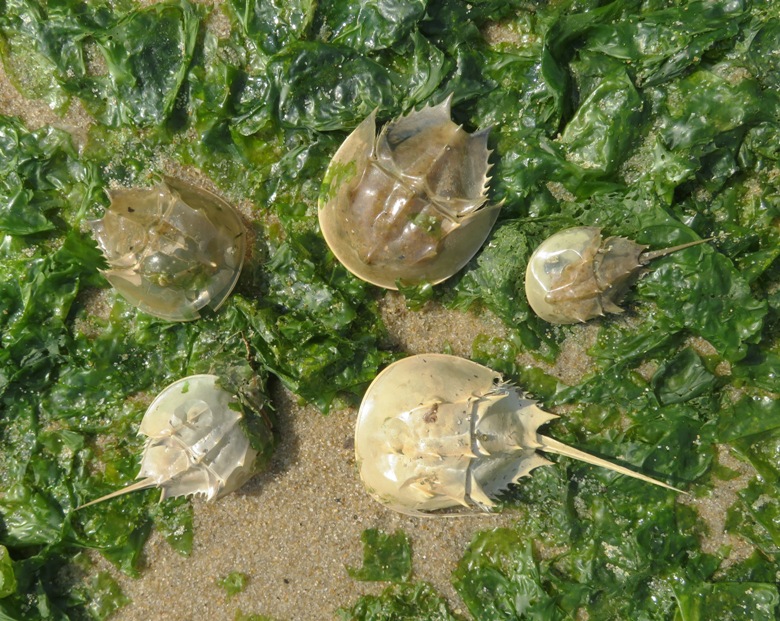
(142, 484)
(648, 256)
(553, 446)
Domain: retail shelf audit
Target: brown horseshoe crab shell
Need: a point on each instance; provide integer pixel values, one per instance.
(408, 205)
(172, 249)
(436, 432)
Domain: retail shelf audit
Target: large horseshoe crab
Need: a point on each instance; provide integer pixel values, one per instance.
(436, 432)
(408, 205)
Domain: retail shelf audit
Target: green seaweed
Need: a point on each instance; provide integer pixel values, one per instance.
(385, 557)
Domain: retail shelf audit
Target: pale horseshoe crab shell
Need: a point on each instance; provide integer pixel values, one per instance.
(172, 249)
(437, 432)
(195, 445)
(409, 204)
(576, 274)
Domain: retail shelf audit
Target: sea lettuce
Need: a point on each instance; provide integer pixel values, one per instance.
(402, 602)
(7, 577)
(144, 55)
(682, 378)
(502, 574)
(662, 44)
(42, 47)
(759, 601)
(499, 578)
(370, 25)
(233, 584)
(599, 134)
(386, 557)
(348, 86)
(270, 26)
(147, 53)
(32, 165)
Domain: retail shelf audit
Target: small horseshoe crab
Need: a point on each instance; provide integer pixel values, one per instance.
(195, 444)
(172, 249)
(408, 205)
(435, 432)
(576, 274)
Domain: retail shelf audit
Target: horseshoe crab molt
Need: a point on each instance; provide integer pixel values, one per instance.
(173, 249)
(435, 432)
(408, 205)
(576, 274)
(195, 444)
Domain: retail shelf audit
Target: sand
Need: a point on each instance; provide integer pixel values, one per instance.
(292, 531)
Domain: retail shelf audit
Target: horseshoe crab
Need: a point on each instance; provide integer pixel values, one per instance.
(576, 274)
(173, 249)
(195, 445)
(435, 432)
(408, 205)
